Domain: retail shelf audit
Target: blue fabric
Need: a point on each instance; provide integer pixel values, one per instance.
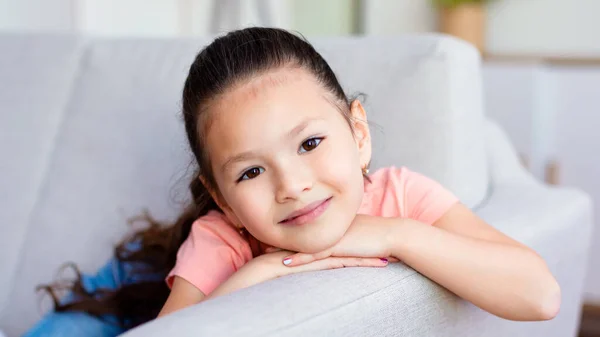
(58, 324)
(111, 276)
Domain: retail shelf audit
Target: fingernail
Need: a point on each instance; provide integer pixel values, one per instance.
(287, 261)
(383, 259)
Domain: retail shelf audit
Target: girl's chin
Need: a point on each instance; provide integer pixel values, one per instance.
(317, 239)
(317, 247)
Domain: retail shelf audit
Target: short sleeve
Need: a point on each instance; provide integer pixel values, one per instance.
(425, 199)
(213, 251)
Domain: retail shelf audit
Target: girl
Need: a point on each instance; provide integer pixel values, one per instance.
(282, 187)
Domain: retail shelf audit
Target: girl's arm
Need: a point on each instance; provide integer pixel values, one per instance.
(263, 268)
(476, 262)
(268, 267)
(183, 294)
(463, 254)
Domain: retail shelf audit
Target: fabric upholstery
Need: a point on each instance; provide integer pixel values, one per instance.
(36, 78)
(120, 149)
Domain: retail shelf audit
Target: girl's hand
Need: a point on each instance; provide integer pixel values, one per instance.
(268, 266)
(272, 261)
(364, 239)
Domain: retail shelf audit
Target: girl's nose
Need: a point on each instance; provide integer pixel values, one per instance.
(293, 183)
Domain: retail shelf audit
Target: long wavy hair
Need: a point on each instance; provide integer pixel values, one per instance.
(229, 60)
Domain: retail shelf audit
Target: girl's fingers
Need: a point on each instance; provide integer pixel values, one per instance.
(345, 262)
(336, 263)
(299, 259)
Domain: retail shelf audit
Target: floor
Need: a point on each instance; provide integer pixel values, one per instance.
(590, 321)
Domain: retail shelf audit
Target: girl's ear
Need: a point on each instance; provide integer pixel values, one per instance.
(362, 135)
(212, 193)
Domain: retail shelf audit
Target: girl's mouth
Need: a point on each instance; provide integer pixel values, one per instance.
(307, 213)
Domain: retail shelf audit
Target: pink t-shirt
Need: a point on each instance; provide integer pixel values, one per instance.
(215, 250)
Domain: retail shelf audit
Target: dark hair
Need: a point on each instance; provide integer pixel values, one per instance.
(229, 60)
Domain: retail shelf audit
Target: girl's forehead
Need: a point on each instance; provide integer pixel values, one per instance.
(280, 95)
(265, 109)
(275, 78)
(262, 83)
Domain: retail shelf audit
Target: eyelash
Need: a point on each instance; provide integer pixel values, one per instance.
(318, 141)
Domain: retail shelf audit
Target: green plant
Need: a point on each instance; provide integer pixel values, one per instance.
(454, 3)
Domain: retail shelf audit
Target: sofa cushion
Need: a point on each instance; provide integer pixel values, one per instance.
(120, 149)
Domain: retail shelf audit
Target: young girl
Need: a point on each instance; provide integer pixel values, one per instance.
(282, 187)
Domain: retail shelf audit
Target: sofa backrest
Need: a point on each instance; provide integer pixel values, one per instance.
(425, 100)
(36, 77)
(114, 144)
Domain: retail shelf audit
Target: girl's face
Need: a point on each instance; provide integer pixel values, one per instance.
(280, 148)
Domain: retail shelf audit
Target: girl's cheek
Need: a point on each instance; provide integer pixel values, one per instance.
(252, 205)
(338, 162)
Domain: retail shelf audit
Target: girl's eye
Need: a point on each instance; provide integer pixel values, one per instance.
(252, 173)
(310, 144)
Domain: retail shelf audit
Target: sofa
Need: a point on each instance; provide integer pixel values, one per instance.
(92, 135)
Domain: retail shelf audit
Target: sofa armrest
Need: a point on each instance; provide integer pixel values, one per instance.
(557, 224)
(530, 211)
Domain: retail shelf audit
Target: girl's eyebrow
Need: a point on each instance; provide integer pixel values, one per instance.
(300, 127)
(238, 157)
(251, 154)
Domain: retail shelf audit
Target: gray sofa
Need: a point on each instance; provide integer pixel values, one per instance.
(91, 136)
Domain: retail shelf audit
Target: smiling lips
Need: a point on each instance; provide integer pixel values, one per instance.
(307, 214)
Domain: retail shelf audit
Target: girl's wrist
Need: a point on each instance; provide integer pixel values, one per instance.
(248, 275)
(389, 232)
(398, 234)
(407, 234)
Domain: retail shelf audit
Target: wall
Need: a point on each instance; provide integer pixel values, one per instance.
(538, 27)
(389, 17)
(114, 17)
(55, 15)
(324, 18)
(147, 18)
(545, 27)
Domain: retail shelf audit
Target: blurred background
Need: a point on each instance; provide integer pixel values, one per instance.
(541, 60)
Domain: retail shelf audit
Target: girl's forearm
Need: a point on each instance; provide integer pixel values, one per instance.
(249, 275)
(508, 281)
